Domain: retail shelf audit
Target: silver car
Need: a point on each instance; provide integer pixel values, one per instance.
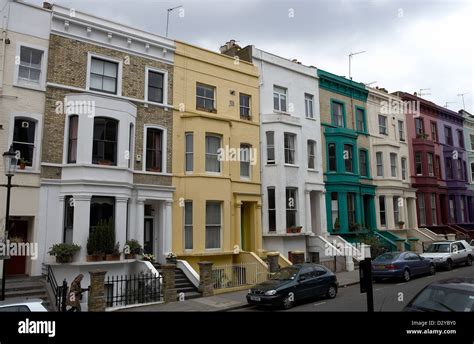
(449, 253)
(22, 305)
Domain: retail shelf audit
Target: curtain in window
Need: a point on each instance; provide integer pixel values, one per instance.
(213, 143)
(213, 225)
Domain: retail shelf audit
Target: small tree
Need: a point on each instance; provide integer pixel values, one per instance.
(108, 230)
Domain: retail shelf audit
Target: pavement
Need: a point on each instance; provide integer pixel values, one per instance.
(225, 302)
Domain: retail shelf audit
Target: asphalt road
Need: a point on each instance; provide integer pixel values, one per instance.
(388, 295)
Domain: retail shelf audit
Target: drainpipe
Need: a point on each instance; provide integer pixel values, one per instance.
(4, 37)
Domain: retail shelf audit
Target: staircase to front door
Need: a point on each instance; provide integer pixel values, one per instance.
(24, 287)
(183, 284)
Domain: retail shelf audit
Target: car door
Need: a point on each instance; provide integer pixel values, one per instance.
(305, 283)
(323, 279)
(409, 260)
(462, 252)
(456, 253)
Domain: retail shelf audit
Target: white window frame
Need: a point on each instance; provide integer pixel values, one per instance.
(186, 153)
(188, 225)
(393, 165)
(403, 163)
(270, 146)
(313, 143)
(431, 167)
(249, 147)
(401, 130)
(165, 84)
(377, 154)
(279, 99)
(385, 127)
(384, 211)
(91, 55)
(295, 143)
(205, 154)
(221, 203)
(38, 119)
(164, 154)
(41, 85)
(214, 94)
(309, 105)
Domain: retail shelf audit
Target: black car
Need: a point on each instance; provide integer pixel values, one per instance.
(449, 295)
(292, 284)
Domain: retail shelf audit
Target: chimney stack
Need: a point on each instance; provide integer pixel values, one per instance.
(230, 48)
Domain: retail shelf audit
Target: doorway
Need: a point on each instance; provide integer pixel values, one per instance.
(16, 265)
(246, 226)
(148, 237)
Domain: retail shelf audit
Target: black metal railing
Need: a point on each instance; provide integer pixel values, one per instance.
(59, 292)
(132, 289)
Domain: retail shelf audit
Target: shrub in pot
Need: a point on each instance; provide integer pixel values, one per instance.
(115, 255)
(95, 250)
(132, 248)
(64, 252)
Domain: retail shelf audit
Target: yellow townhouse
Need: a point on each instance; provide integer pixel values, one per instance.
(216, 173)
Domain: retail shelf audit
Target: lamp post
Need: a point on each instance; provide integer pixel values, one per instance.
(9, 164)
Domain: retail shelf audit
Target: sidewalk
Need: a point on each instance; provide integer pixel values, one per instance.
(225, 302)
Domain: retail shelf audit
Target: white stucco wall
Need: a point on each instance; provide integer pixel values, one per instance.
(298, 80)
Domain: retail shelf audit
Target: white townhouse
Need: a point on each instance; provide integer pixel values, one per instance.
(291, 158)
(23, 68)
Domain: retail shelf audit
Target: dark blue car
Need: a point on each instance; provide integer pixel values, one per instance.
(402, 265)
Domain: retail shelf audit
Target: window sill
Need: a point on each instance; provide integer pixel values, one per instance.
(216, 174)
(153, 173)
(362, 133)
(27, 171)
(313, 170)
(267, 164)
(150, 102)
(292, 165)
(245, 179)
(277, 112)
(31, 87)
(311, 119)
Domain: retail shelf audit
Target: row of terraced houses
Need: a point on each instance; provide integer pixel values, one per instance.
(223, 157)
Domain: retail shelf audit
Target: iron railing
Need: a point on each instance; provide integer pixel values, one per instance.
(132, 289)
(59, 292)
(238, 275)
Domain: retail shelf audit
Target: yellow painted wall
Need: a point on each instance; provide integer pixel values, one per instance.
(195, 65)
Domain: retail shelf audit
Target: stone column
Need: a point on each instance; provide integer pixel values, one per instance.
(297, 257)
(389, 216)
(257, 235)
(80, 234)
(121, 220)
(414, 245)
(400, 245)
(237, 232)
(272, 258)
(308, 227)
(321, 211)
(167, 230)
(139, 220)
(169, 290)
(96, 299)
(206, 284)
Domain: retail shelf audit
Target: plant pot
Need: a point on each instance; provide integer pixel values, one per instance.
(112, 257)
(22, 166)
(104, 162)
(94, 258)
(63, 259)
(130, 256)
(400, 226)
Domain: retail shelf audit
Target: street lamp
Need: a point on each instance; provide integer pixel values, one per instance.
(9, 164)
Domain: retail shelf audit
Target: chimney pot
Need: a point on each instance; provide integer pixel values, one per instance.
(47, 5)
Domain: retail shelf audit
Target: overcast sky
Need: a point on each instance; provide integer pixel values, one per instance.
(410, 44)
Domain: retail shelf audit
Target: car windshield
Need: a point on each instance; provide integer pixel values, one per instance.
(287, 273)
(387, 256)
(444, 300)
(438, 248)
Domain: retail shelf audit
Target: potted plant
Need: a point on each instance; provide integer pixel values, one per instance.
(115, 254)
(95, 250)
(64, 252)
(400, 224)
(149, 257)
(354, 227)
(132, 248)
(105, 162)
(171, 258)
(110, 246)
(23, 163)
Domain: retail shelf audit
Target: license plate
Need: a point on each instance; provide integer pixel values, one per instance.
(255, 298)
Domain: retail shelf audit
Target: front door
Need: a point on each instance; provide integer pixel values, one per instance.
(148, 237)
(16, 265)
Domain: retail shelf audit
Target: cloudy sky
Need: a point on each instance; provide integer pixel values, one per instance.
(409, 44)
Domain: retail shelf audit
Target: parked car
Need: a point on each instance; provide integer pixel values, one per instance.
(403, 265)
(449, 295)
(449, 253)
(292, 284)
(22, 305)
(472, 243)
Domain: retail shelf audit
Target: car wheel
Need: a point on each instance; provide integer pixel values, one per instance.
(449, 265)
(288, 302)
(469, 261)
(406, 275)
(432, 269)
(332, 292)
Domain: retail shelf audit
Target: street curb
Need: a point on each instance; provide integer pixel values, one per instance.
(349, 284)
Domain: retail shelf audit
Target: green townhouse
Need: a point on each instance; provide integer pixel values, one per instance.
(350, 193)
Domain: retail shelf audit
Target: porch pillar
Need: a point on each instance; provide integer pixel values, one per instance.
(167, 230)
(121, 220)
(389, 212)
(258, 229)
(237, 232)
(322, 218)
(308, 226)
(82, 206)
(139, 220)
(60, 217)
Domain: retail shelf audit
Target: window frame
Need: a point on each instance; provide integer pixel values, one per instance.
(311, 143)
(382, 211)
(280, 98)
(38, 119)
(343, 107)
(330, 159)
(431, 167)
(359, 109)
(90, 56)
(270, 147)
(293, 210)
(418, 163)
(434, 131)
(214, 225)
(188, 153)
(114, 163)
(401, 130)
(383, 128)
(309, 105)
(187, 225)
(165, 84)
(164, 154)
(350, 157)
(217, 154)
(248, 146)
(249, 115)
(448, 139)
(271, 211)
(379, 163)
(393, 165)
(69, 139)
(41, 85)
(365, 153)
(289, 149)
(403, 165)
(214, 99)
(419, 120)
(421, 201)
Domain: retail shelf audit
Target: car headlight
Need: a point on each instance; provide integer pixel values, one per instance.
(270, 292)
(438, 259)
(250, 291)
